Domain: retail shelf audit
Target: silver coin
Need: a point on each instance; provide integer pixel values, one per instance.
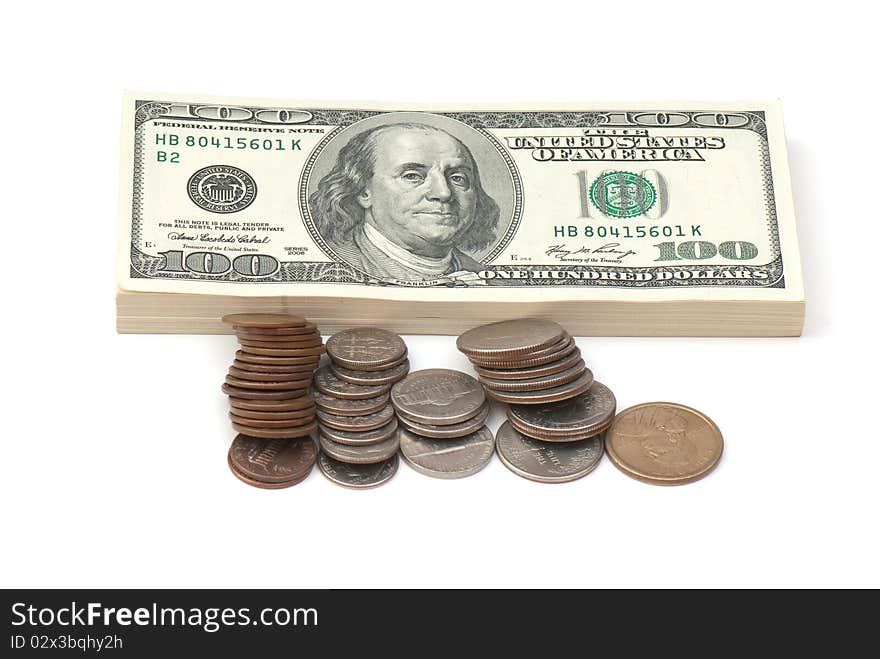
(509, 338)
(329, 384)
(364, 454)
(388, 376)
(438, 396)
(553, 394)
(545, 356)
(357, 423)
(547, 462)
(550, 437)
(347, 407)
(447, 458)
(363, 347)
(450, 431)
(362, 438)
(358, 477)
(587, 413)
(533, 384)
(532, 372)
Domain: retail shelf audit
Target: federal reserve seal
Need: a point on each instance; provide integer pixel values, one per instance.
(623, 194)
(222, 189)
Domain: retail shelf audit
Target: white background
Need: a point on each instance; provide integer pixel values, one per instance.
(114, 447)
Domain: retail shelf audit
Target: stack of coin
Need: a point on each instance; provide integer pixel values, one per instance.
(358, 428)
(268, 385)
(528, 361)
(442, 415)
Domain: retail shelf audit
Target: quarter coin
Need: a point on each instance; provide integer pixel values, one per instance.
(264, 320)
(562, 392)
(532, 384)
(329, 384)
(509, 338)
(357, 477)
(438, 396)
(545, 462)
(363, 454)
(362, 347)
(552, 354)
(664, 443)
(447, 458)
(588, 413)
(360, 438)
(388, 376)
(533, 372)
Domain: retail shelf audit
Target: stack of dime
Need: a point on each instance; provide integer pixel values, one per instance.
(442, 415)
(528, 361)
(268, 384)
(358, 428)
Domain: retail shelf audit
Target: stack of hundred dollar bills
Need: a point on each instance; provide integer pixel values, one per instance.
(672, 218)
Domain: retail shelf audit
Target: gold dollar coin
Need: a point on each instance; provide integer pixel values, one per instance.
(664, 443)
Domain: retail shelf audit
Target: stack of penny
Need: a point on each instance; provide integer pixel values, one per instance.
(267, 385)
(442, 415)
(528, 361)
(358, 428)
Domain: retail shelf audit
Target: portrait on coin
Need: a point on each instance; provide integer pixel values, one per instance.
(405, 200)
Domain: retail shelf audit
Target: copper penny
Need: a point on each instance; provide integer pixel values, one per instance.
(263, 485)
(283, 385)
(664, 443)
(347, 407)
(268, 377)
(265, 333)
(365, 347)
(389, 376)
(283, 352)
(329, 384)
(267, 360)
(299, 403)
(554, 353)
(551, 395)
(309, 342)
(533, 372)
(276, 433)
(256, 394)
(509, 338)
(284, 369)
(533, 384)
(358, 455)
(270, 423)
(272, 416)
(360, 438)
(357, 423)
(264, 320)
(450, 431)
(272, 461)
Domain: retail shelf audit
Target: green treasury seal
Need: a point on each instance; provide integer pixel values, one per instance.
(622, 194)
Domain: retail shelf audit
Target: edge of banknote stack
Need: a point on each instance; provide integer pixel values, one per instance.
(183, 304)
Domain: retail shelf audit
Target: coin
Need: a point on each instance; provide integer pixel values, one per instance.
(363, 454)
(275, 433)
(299, 403)
(267, 377)
(509, 338)
(283, 352)
(532, 372)
(329, 384)
(282, 385)
(347, 407)
(357, 423)
(438, 396)
(357, 477)
(261, 484)
(389, 376)
(272, 461)
(291, 370)
(288, 422)
(273, 416)
(551, 354)
(360, 438)
(664, 443)
(380, 367)
(362, 347)
(533, 384)
(447, 458)
(255, 394)
(264, 320)
(551, 437)
(545, 462)
(449, 431)
(261, 333)
(588, 413)
(308, 342)
(267, 360)
(562, 392)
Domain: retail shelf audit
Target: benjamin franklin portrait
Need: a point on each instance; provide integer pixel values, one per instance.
(404, 201)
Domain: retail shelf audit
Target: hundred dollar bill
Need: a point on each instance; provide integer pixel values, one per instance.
(595, 201)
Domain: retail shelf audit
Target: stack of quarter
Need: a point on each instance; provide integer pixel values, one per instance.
(442, 415)
(528, 361)
(358, 428)
(557, 442)
(267, 385)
